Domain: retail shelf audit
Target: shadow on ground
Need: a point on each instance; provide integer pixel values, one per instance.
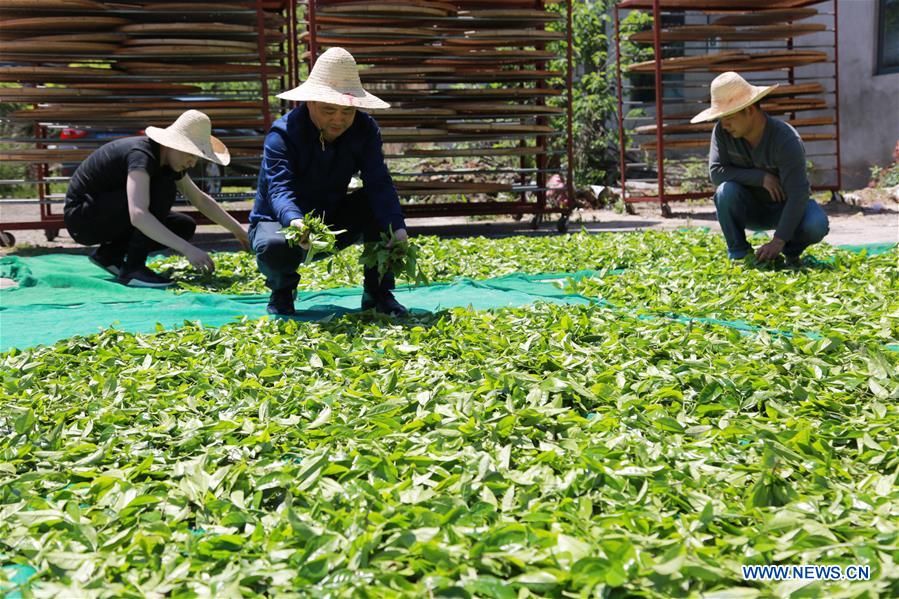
(523, 227)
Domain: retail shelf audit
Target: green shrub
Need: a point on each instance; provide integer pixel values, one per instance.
(594, 105)
(887, 176)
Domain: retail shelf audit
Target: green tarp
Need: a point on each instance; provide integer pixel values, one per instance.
(60, 296)
(873, 249)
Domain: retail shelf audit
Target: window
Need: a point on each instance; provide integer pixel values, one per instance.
(888, 37)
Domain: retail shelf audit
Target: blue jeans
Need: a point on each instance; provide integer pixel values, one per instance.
(740, 207)
(278, 261)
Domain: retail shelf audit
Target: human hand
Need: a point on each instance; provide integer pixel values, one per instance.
(399, 236)
(770, 250)
(299, 224)
(199, 260)
(772, 185)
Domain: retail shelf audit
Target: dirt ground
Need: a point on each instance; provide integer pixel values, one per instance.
(866, 216)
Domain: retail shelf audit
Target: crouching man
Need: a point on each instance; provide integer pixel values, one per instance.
(310, 155)
(758, 164)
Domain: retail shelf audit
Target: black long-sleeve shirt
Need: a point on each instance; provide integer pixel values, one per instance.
(779, 152)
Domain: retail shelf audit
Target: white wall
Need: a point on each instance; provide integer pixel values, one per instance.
(869, 103)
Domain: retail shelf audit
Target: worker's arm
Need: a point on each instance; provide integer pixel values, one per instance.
(790, 161)
(278, 167)
(137, 188)
(212, 210)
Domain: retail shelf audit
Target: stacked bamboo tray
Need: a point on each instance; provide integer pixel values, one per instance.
(782, 24)
(464, 79)
(121, 66)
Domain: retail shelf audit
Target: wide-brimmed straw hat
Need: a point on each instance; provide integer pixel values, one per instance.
(731, 93)
(192, 133)
(335, 80)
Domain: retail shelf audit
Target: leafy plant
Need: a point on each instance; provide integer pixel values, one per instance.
(594, 103)
(9, 130)
(315, 233)
(682, 272)
(631, 447)
(397, 257)
(689, 175)
(883, 177)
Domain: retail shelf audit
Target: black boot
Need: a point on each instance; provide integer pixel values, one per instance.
(280, 303)
(109, 257)
(378, 294)
(135, 273)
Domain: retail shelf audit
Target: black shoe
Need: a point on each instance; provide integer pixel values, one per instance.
(110, 265)
(280, 302)
(793, 261)
(143, 277)
(383, 302)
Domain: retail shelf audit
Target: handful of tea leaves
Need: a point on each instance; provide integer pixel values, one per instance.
(398, 257)
(313, 230)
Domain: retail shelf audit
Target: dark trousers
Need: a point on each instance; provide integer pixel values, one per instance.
(104, 220)
(740, 207)
(278, 261)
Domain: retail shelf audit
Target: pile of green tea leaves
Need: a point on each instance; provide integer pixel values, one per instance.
(850, 295)
(685, 273)
(439, 259)
(312, 231)
(544, 451)
(400, 258)
(629, 448)
(475, 257)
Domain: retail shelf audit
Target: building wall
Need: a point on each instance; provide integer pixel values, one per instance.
(869, 103)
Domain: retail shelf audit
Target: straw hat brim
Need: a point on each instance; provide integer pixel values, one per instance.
(716, 112)
(316, 92)
(214, 150)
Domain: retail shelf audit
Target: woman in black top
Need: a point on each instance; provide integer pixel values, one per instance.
(121, 198)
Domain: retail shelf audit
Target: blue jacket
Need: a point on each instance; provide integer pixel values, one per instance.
(297, 176)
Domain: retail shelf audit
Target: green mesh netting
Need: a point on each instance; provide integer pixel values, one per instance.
(61, 295)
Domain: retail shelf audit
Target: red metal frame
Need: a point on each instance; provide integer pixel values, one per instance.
(622, 142)
(313, 40)
(263, 63)
(660, 92)
(836, 83)
(52, 223)
(293, 56)
(663, 198)
(541, 160)
(569, 120)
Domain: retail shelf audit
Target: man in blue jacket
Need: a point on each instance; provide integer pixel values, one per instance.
(310, 155)
(758, 164)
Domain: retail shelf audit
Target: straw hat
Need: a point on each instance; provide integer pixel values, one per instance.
(731, 93)
(191, 133)
(335, 80)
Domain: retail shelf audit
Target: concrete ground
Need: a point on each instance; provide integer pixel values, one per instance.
(849, 224)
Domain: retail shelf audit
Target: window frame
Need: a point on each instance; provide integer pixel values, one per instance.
(880, 67)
